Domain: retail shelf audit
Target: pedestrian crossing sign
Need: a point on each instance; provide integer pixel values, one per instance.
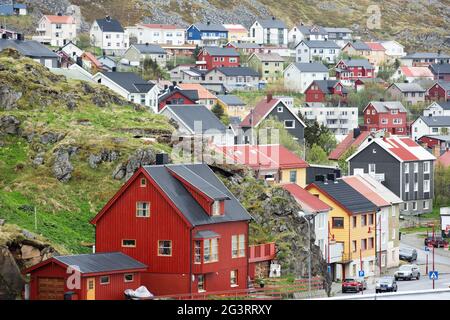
(433, 275)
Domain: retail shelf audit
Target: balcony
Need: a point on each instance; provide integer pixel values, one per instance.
(378, 176)
(262, 252)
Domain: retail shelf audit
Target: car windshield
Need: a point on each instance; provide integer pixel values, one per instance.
(349, 280)
(405, 268)
(385, 280)
(406, 250)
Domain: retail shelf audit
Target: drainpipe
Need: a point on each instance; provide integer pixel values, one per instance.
(190, 261)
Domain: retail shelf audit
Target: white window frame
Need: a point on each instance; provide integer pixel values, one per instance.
(215, 209)
(234, 276)
(170, 247)
(128, 274)
(427, 187)
(426, 167)
(104, 283)
(141, 210)
(287, 127)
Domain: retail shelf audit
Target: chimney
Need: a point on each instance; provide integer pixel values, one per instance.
(174, 83)
(269, 97)
(381, 99)
(114, 69)
(162, 158)
(273, 18)
(59, 14)
(108, 18)
(356, 133)
(319, 178)
(437, 150)
(146, 44)
(208, 22)
(166, 87)
(331, 177)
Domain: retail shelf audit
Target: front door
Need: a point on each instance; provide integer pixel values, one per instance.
(90, 294)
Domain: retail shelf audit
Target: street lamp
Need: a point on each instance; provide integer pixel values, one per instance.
(308, 218)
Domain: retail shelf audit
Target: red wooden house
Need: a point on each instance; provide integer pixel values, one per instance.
(175, 95)
(319, 91)
(103, 276)
(184, 224)
(440, 91)
(212, 57)
(389, 116)
(348, 71)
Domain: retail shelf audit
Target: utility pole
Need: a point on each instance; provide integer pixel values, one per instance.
(35, 219)
(433, 255)
(361, 268)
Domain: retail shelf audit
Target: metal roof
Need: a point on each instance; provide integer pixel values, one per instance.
(386, 106)
(272, 23)
(130, 81)
(359, 45)
(210, 27)
(231, 100)
(308, 30)
(186, 203)
(238, 71)
(109, 25)
(149, 48)
(439, 121)
(320, 44)
(440, 68)
(409, 87)
(28, 48)
(190, 114)
(221, 52)
(311, 67)
(206, 234)
(101, 262)
(444, 104)
(426, 55)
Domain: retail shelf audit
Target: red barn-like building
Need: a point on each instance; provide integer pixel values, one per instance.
(348, 71)
(320, 90)
(175, 96)
(440, 91)
(213, 57)
(183, 223)
(389, 116)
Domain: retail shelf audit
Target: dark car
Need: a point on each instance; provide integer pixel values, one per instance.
(409, 255)
(353, 285)
(437, 241)
(386, 284)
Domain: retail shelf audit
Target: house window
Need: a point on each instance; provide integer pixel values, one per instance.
(406, 167)
(143, 182)
(238, 246)
(371, 219)
(210, 250)
(363, 220)
(289, 124)
(416, 167)
(426, 185)
(425, 205)
(416, 186)
(280, 109)
(197, 251)
(414, 205)
(405, 206)
(165, 248)
(216, 208)
(363, 244)
(201, 283)
(128, 243)
(104, 280)
(426, 167)
(128, 277)
(354, 221)
(234, 278)
(293, 176)
(354, 246)
(406, 187)
(338, 222)
(143, 209)
(372, 168)
(371, 242)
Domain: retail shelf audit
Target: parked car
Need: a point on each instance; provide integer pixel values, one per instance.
(409, 255)
(353, 285)
(407, 272)
(386, 284)
(436, 241)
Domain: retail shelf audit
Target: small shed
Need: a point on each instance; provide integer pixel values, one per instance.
(100, 276)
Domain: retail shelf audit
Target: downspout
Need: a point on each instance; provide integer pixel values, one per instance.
(190, 261)
(248, 256)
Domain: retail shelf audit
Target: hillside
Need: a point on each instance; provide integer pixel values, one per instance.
(419, 24)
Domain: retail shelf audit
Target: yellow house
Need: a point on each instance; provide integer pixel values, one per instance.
(270, 66)
(232, 105)
(236, 32)
(352, 224)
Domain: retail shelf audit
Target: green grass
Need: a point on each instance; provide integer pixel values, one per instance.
(435, 214)
(414, 230)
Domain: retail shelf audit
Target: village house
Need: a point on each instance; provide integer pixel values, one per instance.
(205, 97)
(412, 74)
(13, 9)
(130, 86)
(176, 72)
(322, 92)
(424, 59)
(192, 75)
(34, 50)
(411, 93)
(401, 165)
(212, 57)
(394, 50)
(436, 144)
(274, 163)
(430, 125)
(207, 34)
(90, 62)
(348, 71)
(437, 108)
(441, 71)
(173, 95)
(270, 66)
(440, 91)
(56, 31)
(315, 50)
(357, 48)
(228, 79)
(351, 142)
(109, 35)
(298, 76)
(232, 105)
(339, 35)
(107, 63)
(136, 54)
(72, 50)
(302, 32)
(351, 218)
(6, 33)
(269, 31)
(236, 32)
(377, 55)
(390, 116)
(245, 48)
(271, 107)
(157, 34)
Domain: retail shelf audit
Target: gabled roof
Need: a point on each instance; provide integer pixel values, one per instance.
(379, 188)
(183, 200)
(386, 106)
(408, 87)
(346, 196)
(308, 202)
(426, 55)
(443, 85)
(235, 27)
(221, 52)
(28, 48)
(308, 30)
(109, 25)
(60, 19)
(376, 46)
(260, 157)
(272, 23)
(444, 104)
(210, 27)
(149, 48)
(361, 186)
(203, 93)
(338, 29)
(320, 44)
(440, 68)
(270, 57)
(444, 159)
(237, 71)
(436, 121)
(190, 94)
(358, 45)
(231, 100)
(89, 56)
(160, 26)
(326, 86)
(130, 81)
(401, 148)
(420, 72)
(190, 114)
(348, 142)
(310, 67)
(357, 63)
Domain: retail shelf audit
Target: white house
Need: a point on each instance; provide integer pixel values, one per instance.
(340, 120)
(438, 108)
(158, 34)
(298, 76)
(394, 50)
(56, 30)
(130, 86)
(315, 50)
(430, 125)
(269, 31)
(137, 53)
(302, 32)
(72, 50)
(109, 35)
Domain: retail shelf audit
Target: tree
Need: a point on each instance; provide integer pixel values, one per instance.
(317, 155)
(371, 92)
(84, 41)
(343, 165)
(219, 112)
(318, 134)
(283, 137)
(151, 70)
(442, 186)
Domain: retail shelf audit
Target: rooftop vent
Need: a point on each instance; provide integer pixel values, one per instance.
(162, 158)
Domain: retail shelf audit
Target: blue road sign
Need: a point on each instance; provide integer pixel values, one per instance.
(433, 275)
(361, 273)
(329, 269)
(426, 248)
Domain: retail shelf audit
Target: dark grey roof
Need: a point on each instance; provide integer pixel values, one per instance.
(272, 23)
(387, 106)
(109, 25)
(321, 44)
(238, 71)
(206, 234)
(426, 55)
(338, 30)
(311, 67)
(440, 68)
(191, 94)
(348, 197)
(101, 262)
(444, 104)
(190, 114)
(28, 48)
(149, 48)
(359, 45)
(444, 85)
(210, 27)
(245, 45)
(409, 87)
(130, 81)
(199, 183)
(217, 51)
(308, 30)
(186, 203)
(439, 121)
(230, 100)
(358, 63)
(326, 85)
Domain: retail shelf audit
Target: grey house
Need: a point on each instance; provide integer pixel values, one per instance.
(401, 165)
(271, 108)
(32, 49)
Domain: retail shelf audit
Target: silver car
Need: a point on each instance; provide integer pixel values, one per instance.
(407, 272)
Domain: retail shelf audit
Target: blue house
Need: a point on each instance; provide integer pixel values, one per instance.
(13, 9)
(206, 34)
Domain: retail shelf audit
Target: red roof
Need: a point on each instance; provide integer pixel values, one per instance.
(375, 46)
(260, 157)
(444, 159)
(306, 199)
(347, 143)
(362, 187)
(258, 112)
(92, 58)
(400, 151)
(60, 19)
(416, 72)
